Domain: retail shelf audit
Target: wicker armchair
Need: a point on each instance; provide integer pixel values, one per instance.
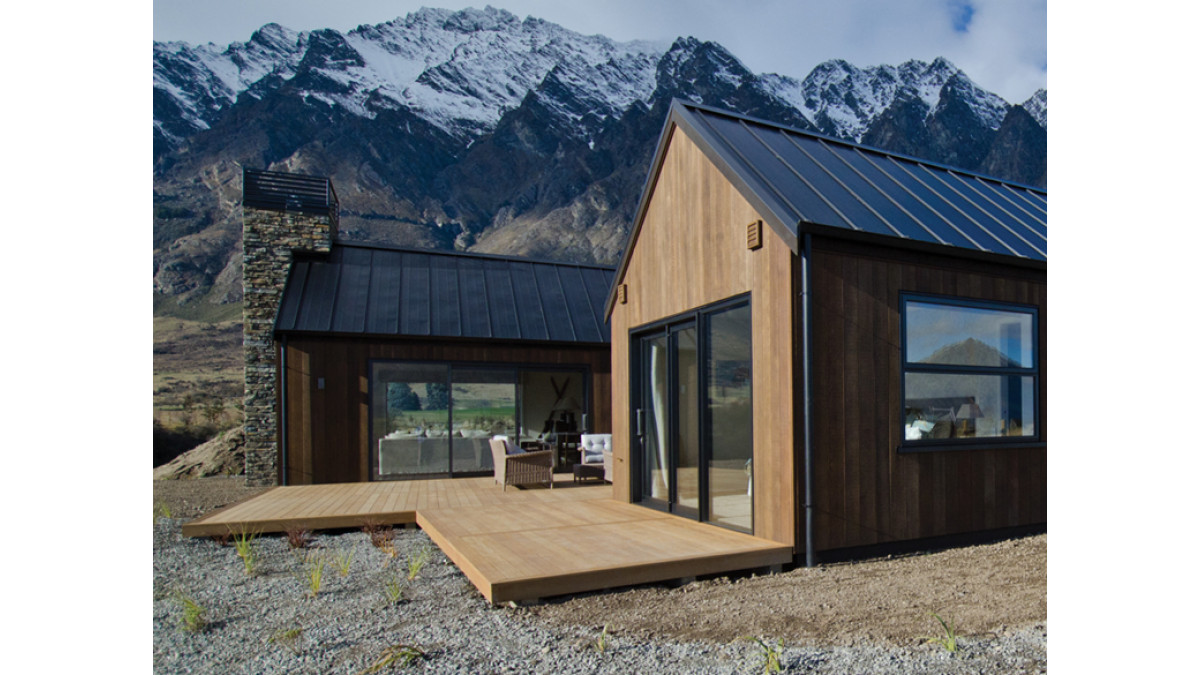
(522, 468)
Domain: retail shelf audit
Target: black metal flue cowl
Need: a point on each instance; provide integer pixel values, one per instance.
(288, 192)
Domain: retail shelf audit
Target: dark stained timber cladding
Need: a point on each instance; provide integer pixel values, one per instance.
(530, 317)
(414, 295)
(867, 491)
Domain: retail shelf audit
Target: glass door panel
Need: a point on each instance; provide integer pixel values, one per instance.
(693, 419)
(687, 422)
(730, 419)
(410, 415)
(484, 405)
(652, 415)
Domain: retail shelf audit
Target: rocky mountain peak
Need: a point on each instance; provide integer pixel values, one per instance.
(1036, 106)
(475, 129)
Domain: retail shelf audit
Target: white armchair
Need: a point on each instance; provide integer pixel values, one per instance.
(596, 449)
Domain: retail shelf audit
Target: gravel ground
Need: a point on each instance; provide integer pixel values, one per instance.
(823, 616)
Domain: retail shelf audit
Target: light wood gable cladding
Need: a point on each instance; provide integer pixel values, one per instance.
(690, 251)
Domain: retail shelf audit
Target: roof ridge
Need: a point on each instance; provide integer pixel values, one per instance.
(850, 144)
(375, 246)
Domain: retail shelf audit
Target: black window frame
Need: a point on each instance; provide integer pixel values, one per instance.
(697, 318)
(517, 367)
(1033, 370)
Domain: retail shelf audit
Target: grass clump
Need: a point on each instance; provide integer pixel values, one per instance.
(288, 638)
(771, 654)
(161, 510)
(312, 571)
(243, 542)
(949, 637)
(418, 561)
(394, 655)
(342, 558)
(393, 588)
(601, 643)
(193, 617)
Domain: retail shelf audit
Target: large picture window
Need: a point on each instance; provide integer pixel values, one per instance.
(970, 372)
(437, 418)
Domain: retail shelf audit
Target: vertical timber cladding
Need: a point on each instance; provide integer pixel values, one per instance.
(866, 492)
(691, 251)
(268, 240)
(328, 429)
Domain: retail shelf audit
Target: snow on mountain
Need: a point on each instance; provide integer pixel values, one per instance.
(843, 100)
(202, 80)
(458, 70)
(1036, 106)
(475, 129)
(462, 70)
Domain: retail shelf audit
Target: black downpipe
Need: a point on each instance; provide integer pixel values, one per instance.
(810, 558)
(283, 411)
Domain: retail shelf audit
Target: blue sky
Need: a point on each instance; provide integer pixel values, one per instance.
(1001, 44)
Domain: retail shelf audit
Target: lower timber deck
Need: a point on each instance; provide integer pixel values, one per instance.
(513, 544)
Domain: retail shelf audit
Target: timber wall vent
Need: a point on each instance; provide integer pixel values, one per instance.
(754, 235)
(623, 293)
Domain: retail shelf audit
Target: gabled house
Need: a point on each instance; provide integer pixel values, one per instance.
(826, 345)
(379, 363)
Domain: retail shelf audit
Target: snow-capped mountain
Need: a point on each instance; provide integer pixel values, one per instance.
(479, 130)
(1036, 106)
(459, 71)
(844, 101)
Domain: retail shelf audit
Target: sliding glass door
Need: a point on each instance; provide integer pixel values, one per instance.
(668, 419)
(436, 419)
(692, 416)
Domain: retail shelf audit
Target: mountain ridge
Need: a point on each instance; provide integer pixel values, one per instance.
(476, 130)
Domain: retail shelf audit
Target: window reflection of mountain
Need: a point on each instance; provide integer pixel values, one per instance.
(970, 352)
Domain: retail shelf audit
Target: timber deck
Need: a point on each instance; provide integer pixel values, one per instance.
(514, 544)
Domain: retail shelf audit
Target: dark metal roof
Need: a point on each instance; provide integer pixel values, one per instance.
(369, 290)
(803, 182)
(275, 191)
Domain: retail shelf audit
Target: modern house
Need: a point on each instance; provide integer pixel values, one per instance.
(376, 363)
(826, 345)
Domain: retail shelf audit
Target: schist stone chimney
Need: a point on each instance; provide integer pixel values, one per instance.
(282, 214)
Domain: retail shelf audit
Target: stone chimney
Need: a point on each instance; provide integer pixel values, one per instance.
(282, 214)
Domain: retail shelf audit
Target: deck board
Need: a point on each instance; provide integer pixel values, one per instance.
(514, 544)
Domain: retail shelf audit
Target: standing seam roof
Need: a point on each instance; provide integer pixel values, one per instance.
(387, 292)
(803, 178)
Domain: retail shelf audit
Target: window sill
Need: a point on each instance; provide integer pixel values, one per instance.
(975, 445)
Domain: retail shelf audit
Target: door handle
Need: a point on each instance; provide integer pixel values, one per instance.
(641, 422)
